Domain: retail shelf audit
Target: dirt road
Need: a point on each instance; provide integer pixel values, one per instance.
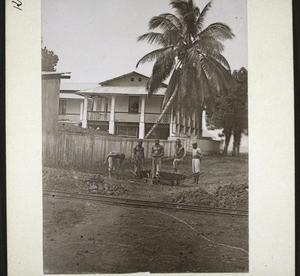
(89, 237)
(82, 237)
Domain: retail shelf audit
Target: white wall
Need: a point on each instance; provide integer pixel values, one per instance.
(73, 106)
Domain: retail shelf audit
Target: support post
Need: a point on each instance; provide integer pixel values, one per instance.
(184, 121)
(103, 101)
(204, 127)
(189, 132)
(194, 124)
(81, 111)
(172, 132)
(95, 104)
(111, 129)
(85, 108)
(178, 121)
(142, 118)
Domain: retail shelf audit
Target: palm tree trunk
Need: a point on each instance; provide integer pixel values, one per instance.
(163, 113)
(227, 140)
(237, 140)
(234, 142)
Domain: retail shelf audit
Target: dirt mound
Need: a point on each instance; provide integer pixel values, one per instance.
(228, 196)
(233, 196)
(78, 182)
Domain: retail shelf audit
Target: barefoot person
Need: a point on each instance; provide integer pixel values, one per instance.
(179, 155)
(196, 160)
(157, 154)
(138, 157)
(112, 161)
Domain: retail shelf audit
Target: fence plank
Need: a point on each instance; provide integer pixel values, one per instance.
(79, 150)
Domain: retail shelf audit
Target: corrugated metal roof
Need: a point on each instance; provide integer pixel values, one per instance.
(76, 86)
(120, 90)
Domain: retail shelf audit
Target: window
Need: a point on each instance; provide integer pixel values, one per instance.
(62, 107)
(133, 106)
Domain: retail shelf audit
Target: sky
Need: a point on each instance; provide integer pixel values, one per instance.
(96, 40)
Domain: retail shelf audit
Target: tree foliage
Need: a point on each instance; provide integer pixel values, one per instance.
(230, 110)
(49, 60)
(189, 53)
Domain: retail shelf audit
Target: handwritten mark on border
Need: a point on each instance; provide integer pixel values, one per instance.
(17, 4)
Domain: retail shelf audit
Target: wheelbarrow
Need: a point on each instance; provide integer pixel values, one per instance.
(142, 174)
(173, 178)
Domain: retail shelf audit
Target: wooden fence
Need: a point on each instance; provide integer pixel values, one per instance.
(86, 151)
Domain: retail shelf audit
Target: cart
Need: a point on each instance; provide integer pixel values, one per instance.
(142, 174)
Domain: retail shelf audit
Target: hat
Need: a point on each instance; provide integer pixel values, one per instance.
(194, 143)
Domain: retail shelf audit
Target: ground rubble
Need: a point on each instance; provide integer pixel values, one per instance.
(228, 196)
(79, 182)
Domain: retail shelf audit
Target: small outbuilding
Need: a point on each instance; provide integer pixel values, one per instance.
(50, 99)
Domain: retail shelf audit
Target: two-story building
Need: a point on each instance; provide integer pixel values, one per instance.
(121, 106)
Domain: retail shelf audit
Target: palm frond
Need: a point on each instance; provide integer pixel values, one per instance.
(203, 13)
(224, 72)
(151, 56)
(221, 60)
(172, 37)
(214, 80)
(219, 31)
(217, 75)
(173, 18)
(180, 7)
(162, 21)
(184, 81)
(153, 37)
(188, 14)
(209, 44)
(205, 90)
(173, 83)
(161, 70)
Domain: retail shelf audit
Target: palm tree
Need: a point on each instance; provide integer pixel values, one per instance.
(189, 54)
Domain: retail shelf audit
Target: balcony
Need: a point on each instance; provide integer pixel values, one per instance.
(126, 117)
(152, 118)
(98, 116)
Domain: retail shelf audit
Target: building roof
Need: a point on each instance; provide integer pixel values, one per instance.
(70, 96)
(76, 86)
(133, 73)
(120, 90)
(55, 74)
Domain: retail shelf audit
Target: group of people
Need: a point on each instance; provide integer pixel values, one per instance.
(115, 159)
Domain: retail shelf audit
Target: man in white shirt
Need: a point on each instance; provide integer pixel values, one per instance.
(196, 160)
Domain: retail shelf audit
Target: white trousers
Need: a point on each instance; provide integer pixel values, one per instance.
(195, 165)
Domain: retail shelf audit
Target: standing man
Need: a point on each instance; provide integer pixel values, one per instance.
(179, 155)
(112, 161)
(196, 160)
(138, 156)
(157, 154)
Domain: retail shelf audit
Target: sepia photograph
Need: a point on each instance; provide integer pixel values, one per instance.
(149, 137)
(144, 136)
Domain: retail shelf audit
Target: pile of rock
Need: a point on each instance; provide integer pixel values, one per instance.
(227, 196)
(107, 187)
(79, 182)
(233, 196)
